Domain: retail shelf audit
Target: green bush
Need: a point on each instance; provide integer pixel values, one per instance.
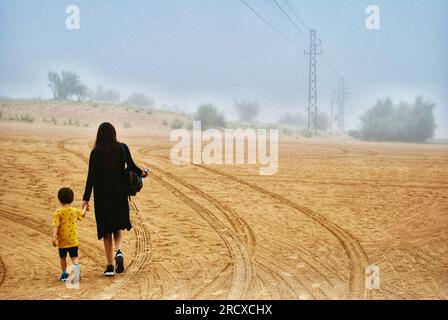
(209, 116)
(403, 122)
(247, 111)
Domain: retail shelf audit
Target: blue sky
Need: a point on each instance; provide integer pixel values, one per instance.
(184, 52)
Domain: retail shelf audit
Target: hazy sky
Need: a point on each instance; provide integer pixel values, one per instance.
(182, 53)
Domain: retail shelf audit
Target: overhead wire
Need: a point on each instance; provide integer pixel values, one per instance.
(271, 26)
(290, 19)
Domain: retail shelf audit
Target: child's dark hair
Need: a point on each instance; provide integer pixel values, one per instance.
(65, 195)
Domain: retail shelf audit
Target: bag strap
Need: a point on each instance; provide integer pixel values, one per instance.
(132, 206)
(123, 152)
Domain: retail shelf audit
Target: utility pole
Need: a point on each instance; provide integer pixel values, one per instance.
(344, 93)
(312, 81)
(339, 107)
(342, 96)
(331, 115)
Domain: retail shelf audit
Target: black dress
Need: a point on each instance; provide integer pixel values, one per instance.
(110, 197)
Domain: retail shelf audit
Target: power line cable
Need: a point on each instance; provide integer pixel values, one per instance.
(302, 21)
(270, 25)
(299, 19)
(290, 19)
(294, 12)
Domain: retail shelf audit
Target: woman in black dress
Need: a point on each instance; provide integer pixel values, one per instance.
(107, 178)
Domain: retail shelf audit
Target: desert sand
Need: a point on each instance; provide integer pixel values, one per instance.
(335, 207)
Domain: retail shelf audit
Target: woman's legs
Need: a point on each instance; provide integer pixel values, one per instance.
(119, 260)
(118, 239)
(108, 244)
(108, 248)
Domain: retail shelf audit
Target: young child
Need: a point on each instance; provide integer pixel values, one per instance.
(65, 230)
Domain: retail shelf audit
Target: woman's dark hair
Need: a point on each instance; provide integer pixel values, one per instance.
(65, 195)
(107, 147)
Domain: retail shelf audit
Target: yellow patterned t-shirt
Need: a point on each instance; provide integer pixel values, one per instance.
(66, 219)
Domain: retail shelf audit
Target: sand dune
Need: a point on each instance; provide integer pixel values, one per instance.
(224, 232)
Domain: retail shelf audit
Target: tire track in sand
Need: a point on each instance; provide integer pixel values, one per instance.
(241, 259)
(245, 235)
(88, 248)
(142, 245)
(358, 259)
(241, 228)
(239, 239)
(2, 271)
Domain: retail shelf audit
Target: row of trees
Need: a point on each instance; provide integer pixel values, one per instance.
(68, 85)
(248, 111)
(210, 117)
(408, 122)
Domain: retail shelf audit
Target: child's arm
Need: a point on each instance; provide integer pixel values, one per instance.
(56, 223)
(82, 214)
(55, 232)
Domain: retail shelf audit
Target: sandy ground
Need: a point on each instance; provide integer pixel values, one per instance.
(224, 232)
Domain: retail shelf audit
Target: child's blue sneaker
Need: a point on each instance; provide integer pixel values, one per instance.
(64, 276)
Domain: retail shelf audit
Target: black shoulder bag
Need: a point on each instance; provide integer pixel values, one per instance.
(134, 183)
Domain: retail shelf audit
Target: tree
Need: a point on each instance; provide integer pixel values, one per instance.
(246, 110)
(376, 123)
(139, 100)
(422, 123)
(209, 116)
(67, 85)
(405, 122)
(80, 91)
(323, 121)
(54, 81)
